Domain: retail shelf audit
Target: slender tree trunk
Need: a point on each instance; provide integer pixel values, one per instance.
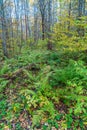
(4, 45)
(69, 15)
(26, 28)
(49, 45)
(43, 28)
(81, 12)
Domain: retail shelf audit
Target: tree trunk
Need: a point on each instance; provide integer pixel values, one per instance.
(81, 12)
(3, 30)
(49, 45)
(69, 15)
(43, 28)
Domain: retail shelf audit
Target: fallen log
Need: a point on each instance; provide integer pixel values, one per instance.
(15, 74)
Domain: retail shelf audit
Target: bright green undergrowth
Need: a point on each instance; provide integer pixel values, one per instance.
(60, 80)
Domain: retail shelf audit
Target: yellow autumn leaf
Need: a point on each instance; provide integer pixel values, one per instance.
(6, 128)
(14, 108)
(85, 123)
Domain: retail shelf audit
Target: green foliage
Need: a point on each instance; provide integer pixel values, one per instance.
(58, 117)
(69, 34)
(18, 126)
(59, 81)
(55, 95)
(3, 85)
(3, 106)
(5, 69)
(69, 120)
(72, 75)
(42, 44)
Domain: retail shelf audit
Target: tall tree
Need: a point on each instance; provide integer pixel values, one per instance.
(3, 22)
(81, 7)
(42, 7)
(81, 12)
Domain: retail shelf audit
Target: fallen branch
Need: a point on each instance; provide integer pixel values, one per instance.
(15, 74)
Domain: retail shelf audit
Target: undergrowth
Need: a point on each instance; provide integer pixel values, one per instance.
(52, 94)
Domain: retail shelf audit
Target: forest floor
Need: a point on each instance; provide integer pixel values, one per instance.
(44, 90)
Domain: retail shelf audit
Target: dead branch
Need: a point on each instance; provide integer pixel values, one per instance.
(15, 74)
